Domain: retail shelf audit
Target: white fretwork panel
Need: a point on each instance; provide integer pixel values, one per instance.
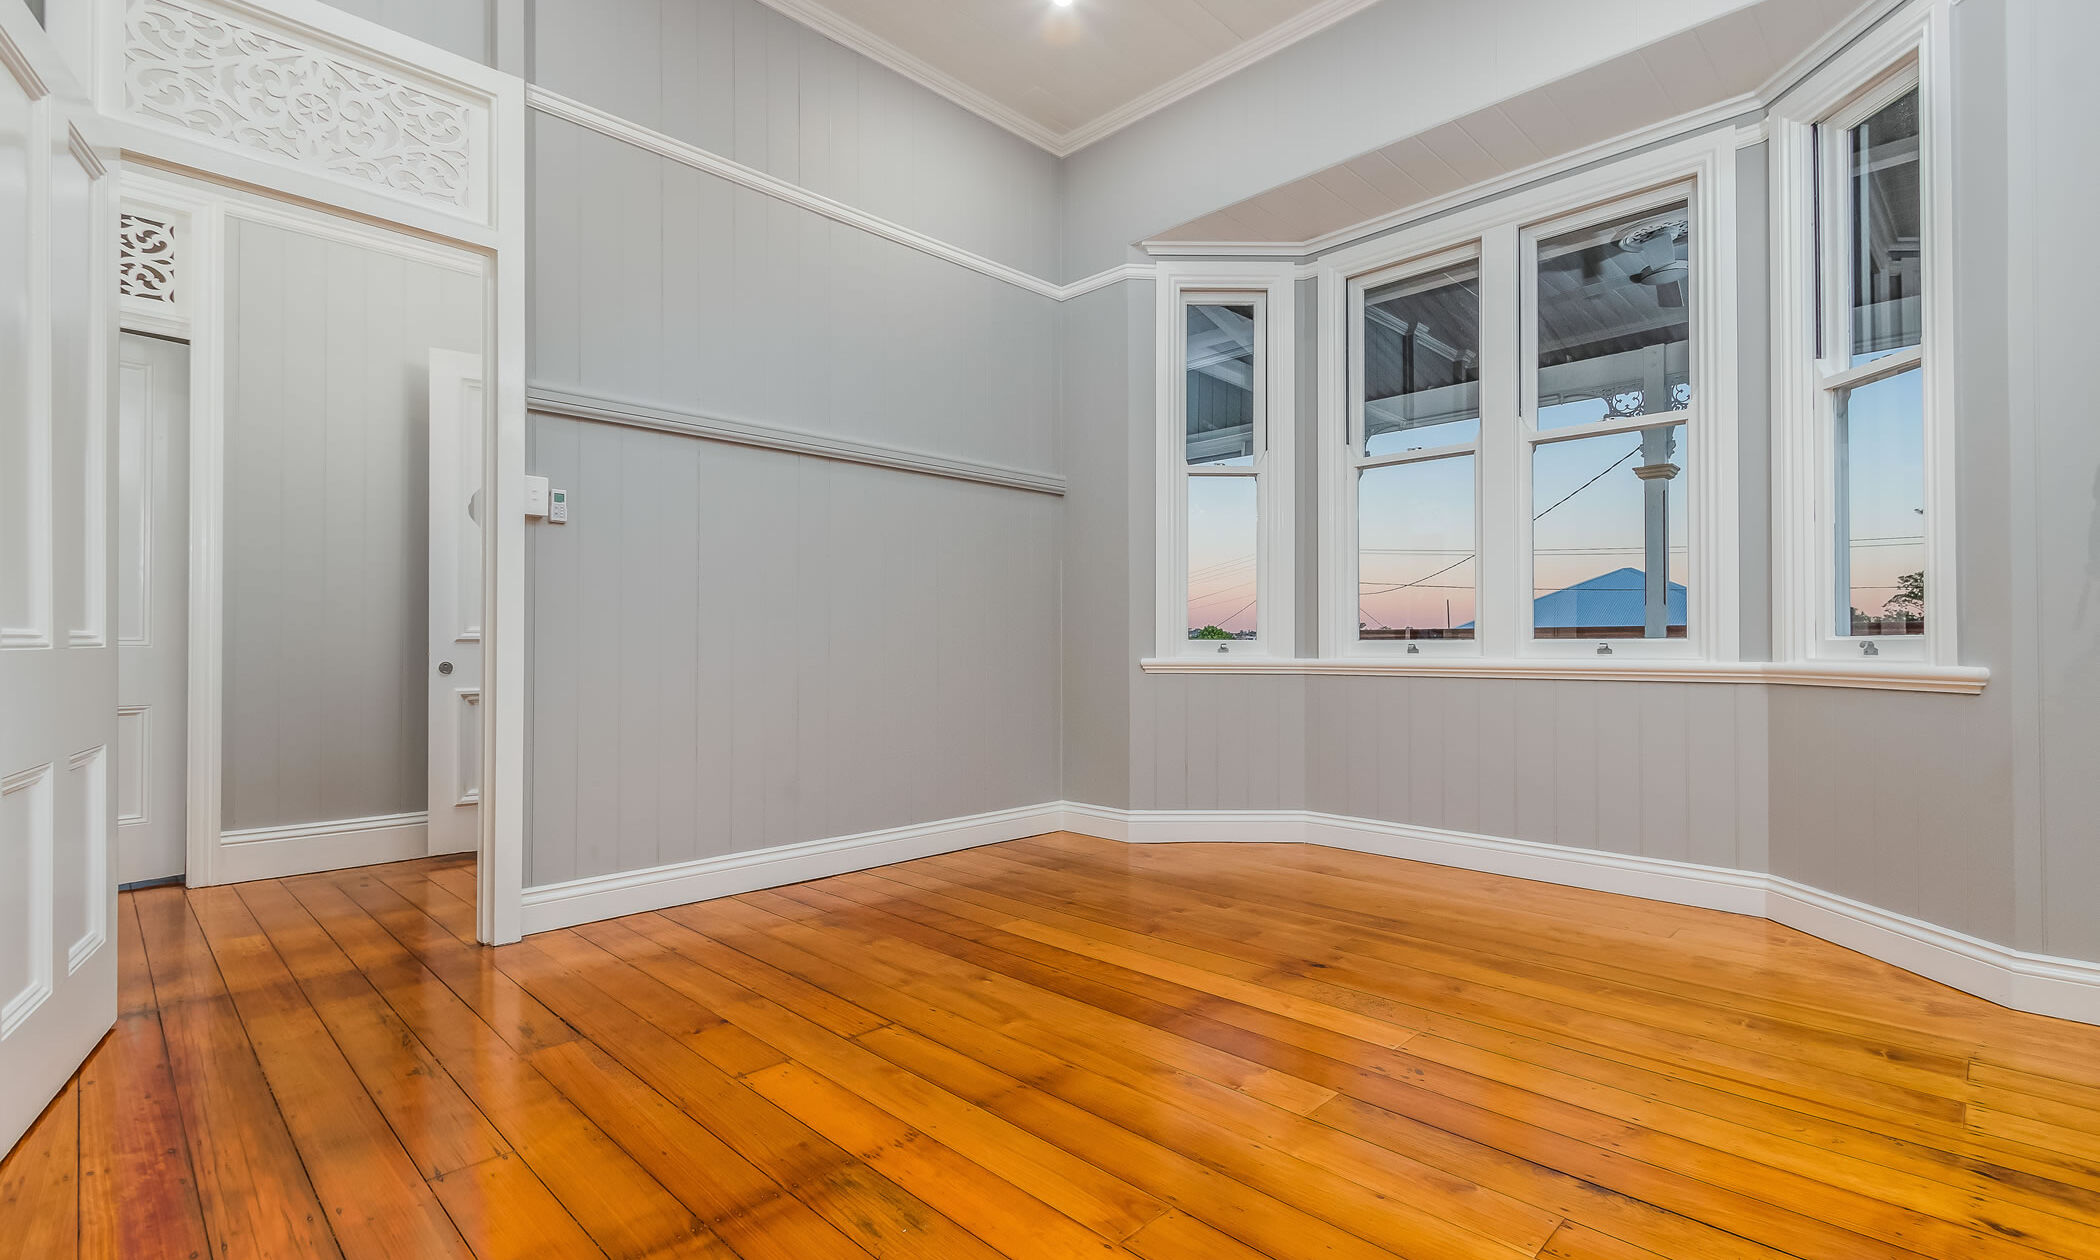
(146, 259)
(221, 74)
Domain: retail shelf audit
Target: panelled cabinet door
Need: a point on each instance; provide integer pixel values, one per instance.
(58, 668)
(456, 516)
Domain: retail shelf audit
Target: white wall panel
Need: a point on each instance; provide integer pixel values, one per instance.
(25, 425)
(739, 79)
(81, 891)
(458, 26)
(326, 532)
(2055, 180)
(27, 840)
(660, 284)
(78, 352)
(134, 764)
(735, 649)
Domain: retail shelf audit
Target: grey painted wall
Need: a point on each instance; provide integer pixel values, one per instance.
(656, 282)
(736, 649)
(1907, 801)
(327, 460)
(457, 26)
(740, 79)
(1100, 336)
(2054, 499)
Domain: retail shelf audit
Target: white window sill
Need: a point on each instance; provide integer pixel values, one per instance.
(1877, 676)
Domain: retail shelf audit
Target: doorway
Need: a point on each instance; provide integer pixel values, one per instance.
(153, 435)
(285, 434)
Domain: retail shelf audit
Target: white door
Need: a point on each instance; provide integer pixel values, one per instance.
(153, 573)
(456, 402)
(58, 663)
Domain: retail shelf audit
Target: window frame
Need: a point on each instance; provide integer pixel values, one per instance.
(1269, 288)
(1700, 172)
(1811, 291)
(1357, 463)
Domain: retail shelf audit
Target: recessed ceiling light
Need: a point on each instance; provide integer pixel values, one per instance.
(1062, 4)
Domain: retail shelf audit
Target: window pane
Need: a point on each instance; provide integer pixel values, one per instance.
(1220, 417)
(1887, 226)
(1221, 558)
(1607, 512)
(1416, 569)
(1615, 330)
(1422, 362)
(1880, 510)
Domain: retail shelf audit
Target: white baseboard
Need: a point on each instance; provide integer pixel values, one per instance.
(2066, 988)
(2062, 987)
(304, 848)
(597, 897)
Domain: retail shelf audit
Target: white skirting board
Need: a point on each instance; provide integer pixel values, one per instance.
(597, 897)
(2062, 987)
(303, 848)
(2066, 988)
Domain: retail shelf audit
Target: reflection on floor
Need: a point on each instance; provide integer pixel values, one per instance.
(1059, 1047)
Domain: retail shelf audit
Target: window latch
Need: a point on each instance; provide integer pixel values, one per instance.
(1870, 648)
(1604, 649)
(1414, 649)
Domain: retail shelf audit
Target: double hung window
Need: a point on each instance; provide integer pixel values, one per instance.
(1225, 460)
(1863, 487)
(1524, 462)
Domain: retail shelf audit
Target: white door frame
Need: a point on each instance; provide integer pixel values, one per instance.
(185, 156)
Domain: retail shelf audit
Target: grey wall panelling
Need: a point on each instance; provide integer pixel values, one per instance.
(327, 461)
(736, 649)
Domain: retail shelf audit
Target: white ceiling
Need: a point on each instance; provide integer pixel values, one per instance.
(1720, 68)
(1065, 77)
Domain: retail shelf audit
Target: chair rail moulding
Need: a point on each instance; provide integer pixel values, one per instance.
(297, 113)
(639, 415)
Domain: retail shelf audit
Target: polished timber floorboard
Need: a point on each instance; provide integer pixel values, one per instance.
(1060, 1047)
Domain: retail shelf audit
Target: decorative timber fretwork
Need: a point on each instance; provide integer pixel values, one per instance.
(217, 75)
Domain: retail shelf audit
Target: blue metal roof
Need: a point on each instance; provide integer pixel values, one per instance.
(1609, 599)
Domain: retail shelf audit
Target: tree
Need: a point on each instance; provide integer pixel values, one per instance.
(1909, 599)
(1210, 632)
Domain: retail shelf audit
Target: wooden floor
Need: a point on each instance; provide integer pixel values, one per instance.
(1060, 1047)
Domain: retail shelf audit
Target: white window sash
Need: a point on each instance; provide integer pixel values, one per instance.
(1700, 171)
(1909, 51)
(1349, 591)
(1268, 287)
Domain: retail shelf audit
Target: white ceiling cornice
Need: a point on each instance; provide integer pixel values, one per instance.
(1239, 57)
(881, 51)
(816, 16)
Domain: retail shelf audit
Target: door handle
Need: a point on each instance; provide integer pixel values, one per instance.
(444, 667)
